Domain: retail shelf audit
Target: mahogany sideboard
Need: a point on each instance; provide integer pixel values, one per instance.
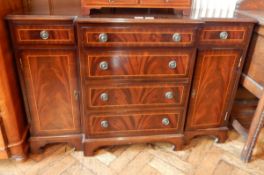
(111, 78)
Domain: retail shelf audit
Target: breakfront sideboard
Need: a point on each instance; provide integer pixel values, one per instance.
(112, 78)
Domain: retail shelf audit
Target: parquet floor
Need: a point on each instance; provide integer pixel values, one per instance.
(201, 157)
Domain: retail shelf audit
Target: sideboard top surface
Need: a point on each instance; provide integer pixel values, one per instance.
(71, 10)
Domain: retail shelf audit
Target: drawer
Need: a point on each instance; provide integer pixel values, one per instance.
(224, 35)
(132, 124)
(144, 63)
(131, 96)
(137, 36)
(111, 2)
(38, 34)
(178, 3)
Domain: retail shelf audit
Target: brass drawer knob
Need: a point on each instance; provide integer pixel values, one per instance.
(104, 97)
(44, 35)
(165, 121)
(104, 124)
(169, 95)
(103, 65)
(103, 37)
(172, 64)
(176, 37)
(223, 35)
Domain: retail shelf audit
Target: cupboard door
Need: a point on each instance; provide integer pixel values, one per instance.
(213, 85)
(51, 86)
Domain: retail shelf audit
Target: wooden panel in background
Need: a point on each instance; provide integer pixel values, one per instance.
(244, 107)
(251, 5)
(13, 117)
(4, 151)
(254, 67)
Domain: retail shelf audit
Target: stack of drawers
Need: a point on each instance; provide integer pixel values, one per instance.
(135, 78)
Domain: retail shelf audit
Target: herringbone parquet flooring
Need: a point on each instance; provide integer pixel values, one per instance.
(201, 157)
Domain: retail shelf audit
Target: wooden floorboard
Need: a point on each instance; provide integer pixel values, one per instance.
(201, 157)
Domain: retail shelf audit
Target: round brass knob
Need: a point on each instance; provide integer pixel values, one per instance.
(165, 121)
(104, 97)
(104, 124)
(176, 37)
(223, 35)
(172, 64)
(103, 37)
(44, 35)
(169, 95)
(103, 65)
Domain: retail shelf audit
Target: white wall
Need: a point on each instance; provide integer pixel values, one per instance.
(214, 8)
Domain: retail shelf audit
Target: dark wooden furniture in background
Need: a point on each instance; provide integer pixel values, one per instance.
(184, 5)
(13, 125)
(244, 107)
(111, 79)
(252, 77)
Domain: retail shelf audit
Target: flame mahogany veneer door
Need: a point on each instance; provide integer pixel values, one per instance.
(51, 84)
(214, 79)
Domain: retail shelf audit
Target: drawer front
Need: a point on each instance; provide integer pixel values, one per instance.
(137, 36)
(137, 96)
(25, 34)
(114, 125)
(178, 3)
(111, 2)
(138, 63)
(224, 35)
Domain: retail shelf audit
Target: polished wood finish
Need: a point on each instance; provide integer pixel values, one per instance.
(140, 63)
(91, 145)
(137, 96)
(133, 35)
(38, 143)
(184, 5)
(237, 35)
(145, 63)
(51, 80)
(28, 34)
(14, 128)
(132, 77)
(213, 82)
(134, 124)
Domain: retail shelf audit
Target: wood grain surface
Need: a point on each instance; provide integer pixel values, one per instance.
(51, 80)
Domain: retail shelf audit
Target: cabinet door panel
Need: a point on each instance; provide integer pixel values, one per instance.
(50, 83)
(214, 79)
